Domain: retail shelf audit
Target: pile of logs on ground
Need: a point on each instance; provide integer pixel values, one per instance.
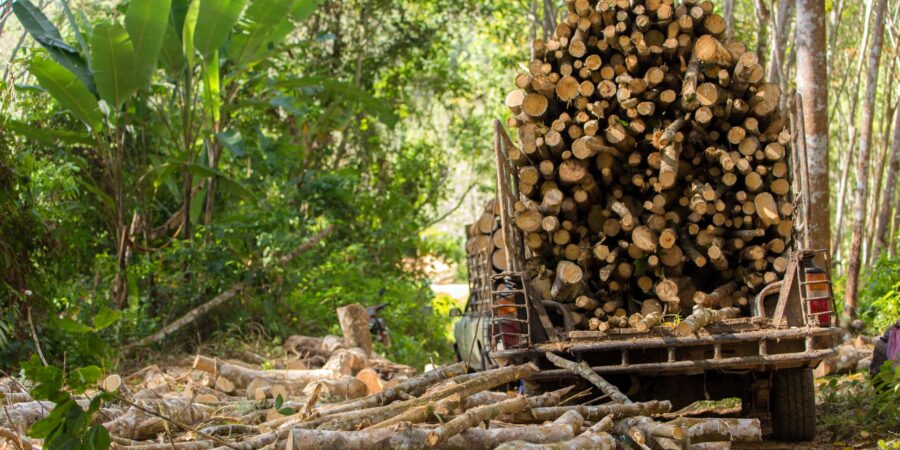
(334, 396)
(652, 165)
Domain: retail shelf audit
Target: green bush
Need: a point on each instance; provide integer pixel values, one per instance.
(879, 294)
(857, 405)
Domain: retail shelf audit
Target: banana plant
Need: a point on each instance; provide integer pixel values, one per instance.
(205, 47)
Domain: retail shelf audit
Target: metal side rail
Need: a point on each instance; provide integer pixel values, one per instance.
(667, 355)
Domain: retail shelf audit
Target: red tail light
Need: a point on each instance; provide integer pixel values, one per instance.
(818, 293)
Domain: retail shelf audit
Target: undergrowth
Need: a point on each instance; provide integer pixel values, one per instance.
(861, 409)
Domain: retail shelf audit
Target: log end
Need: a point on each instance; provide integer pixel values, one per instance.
(683, 329)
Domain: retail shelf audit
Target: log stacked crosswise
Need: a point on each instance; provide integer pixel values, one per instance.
(652, 165)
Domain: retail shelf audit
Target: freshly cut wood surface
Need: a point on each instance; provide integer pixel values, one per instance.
(657, 156)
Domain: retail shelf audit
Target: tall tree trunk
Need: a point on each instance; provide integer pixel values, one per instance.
(728, 15)
(782, 22)
(848, 156)
(762, 27)
(812, 85)
(887, 203)
(873, 248)
(834, 26)
(549, 18)
(535, 19)
(892, 241)
(882, 162)
(862, 166)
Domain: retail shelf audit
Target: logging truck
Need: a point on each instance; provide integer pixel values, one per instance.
(765, 358)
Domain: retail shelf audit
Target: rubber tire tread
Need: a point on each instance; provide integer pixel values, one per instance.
(793, 405)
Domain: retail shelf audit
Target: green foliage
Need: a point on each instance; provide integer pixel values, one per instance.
(285, 411)
(113, 62)
(68, 426)
(214, 22)
(855, 405)
(270, 120)
(261, 25)
(146, 23)
(46, 34)
(879, 294)
(66, 88)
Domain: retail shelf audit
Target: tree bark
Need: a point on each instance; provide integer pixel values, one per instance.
(486, 380)
(354, 320)
(848, 160)
(834, 26)
(473, 417)
(587, 373)
(594, 412)
(728, 15)
(862, 167)
(762, 29)
(415, 438)
(709, 430)
(782, 24)
(880, 164)
(703, 317)
(594, 438)
(812, 85)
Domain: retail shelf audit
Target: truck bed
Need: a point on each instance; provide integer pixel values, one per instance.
(738, 344)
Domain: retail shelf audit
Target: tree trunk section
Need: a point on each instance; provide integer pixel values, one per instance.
(887, 204)
(890, 185)
(812, 85)
(354, 320)
(862, 167)
(728, 15)
(587, 373)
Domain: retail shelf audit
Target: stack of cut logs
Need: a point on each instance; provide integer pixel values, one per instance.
(484, 236)
(231, 405)
(652, 166)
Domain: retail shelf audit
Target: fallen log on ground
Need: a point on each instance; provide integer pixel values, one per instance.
(225, 296)
(583, 369)
(206, 406)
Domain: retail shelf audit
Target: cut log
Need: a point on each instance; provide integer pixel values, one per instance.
(137, 424)
(703, 317)
(648, 321)
(715, 297)
(473, 417)
(354, 320)
(412, 387)
(587, 373)
(568, 282)
(370, 378)
(708, 49)
(593, 413)
(594, 438)
(337, 390)
(485, 380)
(242, 376)
(710, 430)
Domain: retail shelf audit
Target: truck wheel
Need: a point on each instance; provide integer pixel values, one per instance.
(793, 405)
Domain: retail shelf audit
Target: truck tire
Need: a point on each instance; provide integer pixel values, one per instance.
(793, 405)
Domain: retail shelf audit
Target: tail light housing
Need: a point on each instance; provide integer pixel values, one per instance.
(510, 330)
(818, 295)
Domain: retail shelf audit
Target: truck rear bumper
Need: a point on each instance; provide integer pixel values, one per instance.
(668, 355)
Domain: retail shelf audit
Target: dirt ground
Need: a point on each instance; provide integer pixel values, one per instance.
(823, 441)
